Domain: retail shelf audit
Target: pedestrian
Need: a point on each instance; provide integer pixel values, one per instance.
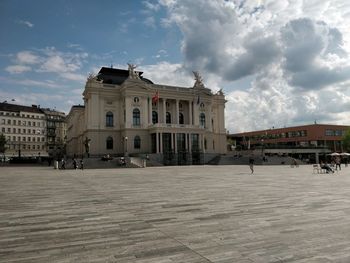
(251, 163)
(75, 166)
(63, 164)
(81, 164)
(337, 163)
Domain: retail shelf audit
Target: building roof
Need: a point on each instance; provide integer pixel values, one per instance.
(19, 108)
(117, 76)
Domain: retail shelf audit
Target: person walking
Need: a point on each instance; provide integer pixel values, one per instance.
(63, 164)
(251, 163)
(75, 165)
(81, 164)
(338, 163)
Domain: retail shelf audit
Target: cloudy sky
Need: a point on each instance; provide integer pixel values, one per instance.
(279, 62)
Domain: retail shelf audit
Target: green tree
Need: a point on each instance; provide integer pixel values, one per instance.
(2, 144)
(346, 141)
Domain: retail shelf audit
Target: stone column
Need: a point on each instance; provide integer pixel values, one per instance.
(161, 142)
(186, 142)
(172, 141)
(164, 110)
(175, 142)
(177, 112)
(149, 111)
(157, 143)
(189, 143)
(190, 112)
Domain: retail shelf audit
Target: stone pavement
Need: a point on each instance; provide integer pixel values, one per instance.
(174, 214)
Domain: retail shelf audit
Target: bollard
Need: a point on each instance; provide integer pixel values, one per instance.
(55, 164)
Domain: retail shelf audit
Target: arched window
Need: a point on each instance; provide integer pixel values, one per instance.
(202, 120)
(109, 143)
(109, 119)
(181, 118)
(168, 117)
(136, 117)
(154, 117)
(137, 142)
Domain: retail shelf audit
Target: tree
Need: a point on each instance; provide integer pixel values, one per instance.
(2, 144)
(346, 141)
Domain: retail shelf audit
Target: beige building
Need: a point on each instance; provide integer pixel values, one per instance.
(126, 114)
(24, 129)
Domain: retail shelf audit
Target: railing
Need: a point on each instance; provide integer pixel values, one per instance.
(172, 125)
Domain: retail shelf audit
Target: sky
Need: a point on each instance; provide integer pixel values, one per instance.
(280, 63)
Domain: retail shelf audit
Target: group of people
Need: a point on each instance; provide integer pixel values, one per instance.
(75, 164)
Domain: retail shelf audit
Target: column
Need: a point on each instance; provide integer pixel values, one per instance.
(157, 142)
(172, 141)
(210, 126)
(161, 142)
(175, 140)
(202, 143)
(190, 105)
(189, 143)
(316, 158)
(177, 112)
(164, 110)
(149, 111)
(186, 142)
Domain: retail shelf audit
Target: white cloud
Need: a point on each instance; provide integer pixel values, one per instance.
(30, 82)
(151, 6)
(295, 51)
(17, 69)
(27, 57)
(73, 76)
(167, 74)
(27, 23)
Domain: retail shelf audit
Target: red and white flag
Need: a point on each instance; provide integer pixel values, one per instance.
(155, 98)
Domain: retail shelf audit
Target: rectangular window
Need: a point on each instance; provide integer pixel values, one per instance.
(2, 129)
(33, 123)
(9, 130)
(3, 121)
(29, 123)
(14, 130)
(29, 139)
(9, 122)
(329, 133)
(14, 122)
(19, 122)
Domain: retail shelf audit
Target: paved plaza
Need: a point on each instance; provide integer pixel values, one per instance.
(174, 214)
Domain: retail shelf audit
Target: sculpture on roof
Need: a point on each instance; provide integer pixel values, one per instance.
(93, 77)
(198, 79)
(132, 73)
(220, 92)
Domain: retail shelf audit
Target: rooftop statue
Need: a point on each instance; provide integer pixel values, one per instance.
(132, 73)
(198, 79)
(92, 77)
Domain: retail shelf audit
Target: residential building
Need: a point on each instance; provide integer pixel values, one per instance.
(25, 130)
(125, 113)
(56, 129)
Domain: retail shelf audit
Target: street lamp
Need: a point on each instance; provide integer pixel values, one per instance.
(126, 145)
(262, 149)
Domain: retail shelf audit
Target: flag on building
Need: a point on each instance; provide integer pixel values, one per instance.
(155, 98)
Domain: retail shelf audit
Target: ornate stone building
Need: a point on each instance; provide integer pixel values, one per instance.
(124, 114)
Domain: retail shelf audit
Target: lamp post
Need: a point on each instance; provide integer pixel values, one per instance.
(126, 145)
(262, 149)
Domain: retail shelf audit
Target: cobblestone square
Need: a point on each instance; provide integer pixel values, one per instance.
(174, 214)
